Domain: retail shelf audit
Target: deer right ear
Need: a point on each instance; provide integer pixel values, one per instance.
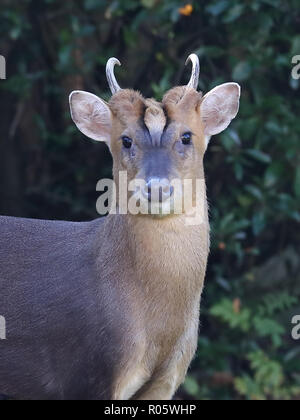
(219, 107)
(91, 115)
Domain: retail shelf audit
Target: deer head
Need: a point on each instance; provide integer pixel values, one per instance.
(152, 141)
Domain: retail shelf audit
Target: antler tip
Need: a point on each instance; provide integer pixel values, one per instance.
(191, 57)
(113, 61)
(113, 84)
(193, 83)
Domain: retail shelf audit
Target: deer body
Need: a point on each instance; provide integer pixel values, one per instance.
(109, 309)
(97, 328)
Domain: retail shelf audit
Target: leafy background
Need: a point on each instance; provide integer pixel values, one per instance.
(48, 170)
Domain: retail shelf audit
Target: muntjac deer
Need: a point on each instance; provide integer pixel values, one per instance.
(109, 309)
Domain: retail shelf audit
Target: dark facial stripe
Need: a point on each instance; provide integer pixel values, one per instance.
(145, 129)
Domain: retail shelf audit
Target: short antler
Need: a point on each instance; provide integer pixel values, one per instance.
(113, 84)
(193, 83)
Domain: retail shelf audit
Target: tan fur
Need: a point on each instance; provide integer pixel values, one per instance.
(154, 118)
(127, 105)
(163, 292)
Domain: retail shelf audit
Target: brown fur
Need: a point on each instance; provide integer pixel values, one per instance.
(168, 279)
(127, 105)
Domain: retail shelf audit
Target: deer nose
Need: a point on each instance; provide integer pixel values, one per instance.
(158, 190)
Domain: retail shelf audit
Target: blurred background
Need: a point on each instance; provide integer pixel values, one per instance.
(49, 170)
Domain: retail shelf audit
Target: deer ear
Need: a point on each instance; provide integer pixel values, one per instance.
(91, 115)
(219, 107)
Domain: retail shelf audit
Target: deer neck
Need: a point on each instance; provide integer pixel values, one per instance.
(163, 253)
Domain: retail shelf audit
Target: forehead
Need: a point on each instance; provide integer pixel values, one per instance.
(151, 122)
(154, 128)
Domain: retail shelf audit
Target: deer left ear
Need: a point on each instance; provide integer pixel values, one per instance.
(91, 115)
(219, 107)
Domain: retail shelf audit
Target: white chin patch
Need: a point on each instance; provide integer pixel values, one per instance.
(166, 208)
(157, 209)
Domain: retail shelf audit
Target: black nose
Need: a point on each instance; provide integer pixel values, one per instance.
(158, 190)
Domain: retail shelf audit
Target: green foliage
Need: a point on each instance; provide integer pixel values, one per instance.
(259, 318)
(47, 170)
(225, 311)
(268, 380)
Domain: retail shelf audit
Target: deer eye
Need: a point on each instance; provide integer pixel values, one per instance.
(127, 142)
(186, 138)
